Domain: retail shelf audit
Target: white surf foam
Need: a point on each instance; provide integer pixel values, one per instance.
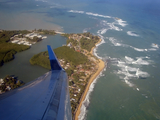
(95, 50)
(153, 45)
(113, 27)
(132, 33)
(90, 13)
(142, 74)
(86, 102)
(102, 31)
(128, 82)
(76, 11)
(140, 61)
(152, 49)
(138, 49)
(129, 59)
(114, 41)
(130, 68)
(137, 89)
(109, 26)
(121, 22)
(98, 15)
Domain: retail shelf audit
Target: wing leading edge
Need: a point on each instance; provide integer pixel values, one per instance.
(46, 98)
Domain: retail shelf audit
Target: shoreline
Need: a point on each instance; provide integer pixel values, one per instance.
(101, 66)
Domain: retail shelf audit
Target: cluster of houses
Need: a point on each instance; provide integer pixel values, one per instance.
(62, 63)
(78, 37)
(80, 68)
(32, 35)
(18, 39)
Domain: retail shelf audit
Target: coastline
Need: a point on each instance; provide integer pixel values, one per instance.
(101, 66)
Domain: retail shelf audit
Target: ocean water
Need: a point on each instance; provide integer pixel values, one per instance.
(129, 86)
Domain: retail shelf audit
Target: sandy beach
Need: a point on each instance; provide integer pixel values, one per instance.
(101, 66)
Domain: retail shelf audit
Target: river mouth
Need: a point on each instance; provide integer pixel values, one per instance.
(21, 67)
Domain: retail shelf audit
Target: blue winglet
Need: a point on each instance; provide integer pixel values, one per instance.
(53, 59)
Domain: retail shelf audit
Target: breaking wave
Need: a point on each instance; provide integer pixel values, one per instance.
(76, 11)
(121, 22)
(95, 50)
(132, 33)
(115, 42)
(98, 15)
(102, 31)
(86, 102)
(89, 13)
(153, 45)
(138, 49)
(130, 68)
(108, 26)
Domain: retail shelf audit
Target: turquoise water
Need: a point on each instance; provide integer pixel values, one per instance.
(129, 87)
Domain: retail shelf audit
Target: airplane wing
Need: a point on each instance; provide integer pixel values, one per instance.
(46, 98)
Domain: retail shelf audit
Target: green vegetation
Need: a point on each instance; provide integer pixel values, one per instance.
(6, 35)
(35, 39)
(88, 43)
(46, 32)
(69, 72)
(65, 35)
(64, 52)
(74, 42)
(10, 82)
(8, 50)
(41, 59)
(70, 55)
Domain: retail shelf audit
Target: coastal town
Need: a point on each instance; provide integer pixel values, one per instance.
(78, 61)
(27, 39)
(76, 58)
(79, 75)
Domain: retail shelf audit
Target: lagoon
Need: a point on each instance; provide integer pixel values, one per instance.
(21, 67)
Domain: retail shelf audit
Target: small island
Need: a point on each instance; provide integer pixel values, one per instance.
(77, 60)
(9, 82)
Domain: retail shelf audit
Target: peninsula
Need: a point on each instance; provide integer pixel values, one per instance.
(80, 64)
